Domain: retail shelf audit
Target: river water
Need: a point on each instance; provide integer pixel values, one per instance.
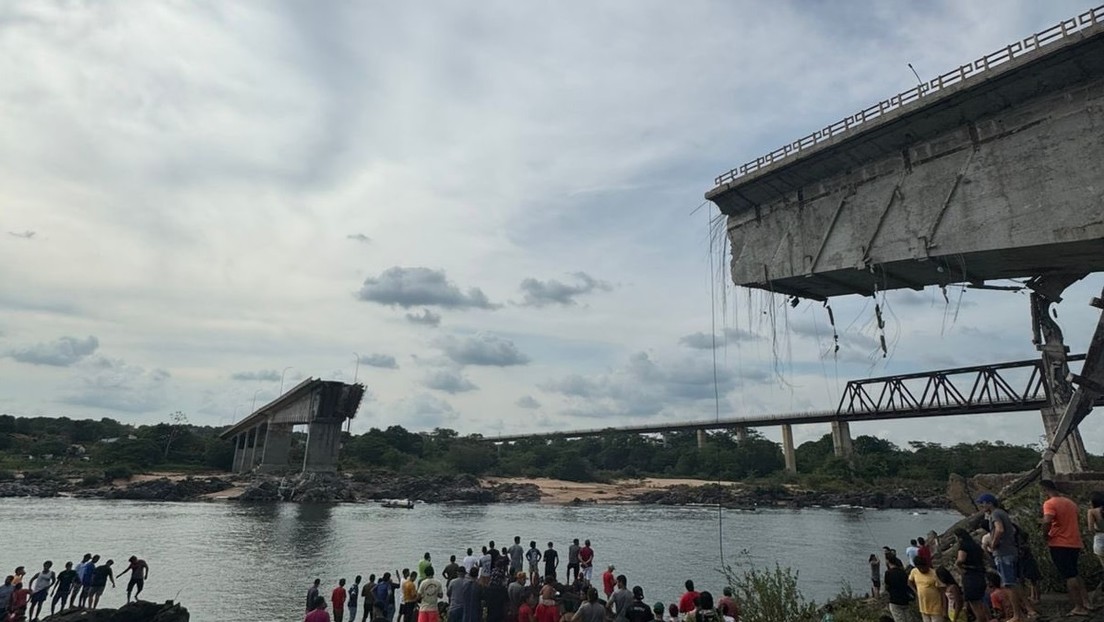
(256, 561)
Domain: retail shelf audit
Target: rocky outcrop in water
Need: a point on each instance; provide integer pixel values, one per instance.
(138, 611)
(778, 496)
(20, 489)
(164, 489)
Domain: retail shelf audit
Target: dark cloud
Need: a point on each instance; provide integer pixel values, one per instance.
(645, 387)
(113, 384)
(448, 381)
(553, 292)
(385, 361)
(705, 341)
(420, 287)
(62, 352)
(264, 375)
(425, 318)
(359, 237)
(482, 349)
(527, 401)
(26, 235)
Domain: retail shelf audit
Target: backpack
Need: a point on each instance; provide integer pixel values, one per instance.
(1023, 544)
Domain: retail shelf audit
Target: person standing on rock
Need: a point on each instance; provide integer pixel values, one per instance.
(76, 593)
(533, 555)
(385, 596)
(423, 564)
(86, 579)
(469, 561)
(551, 561)
(897, 587)
(63, 586)
(971, 563)
(458, 591)
(451, 571)
(620, 599)
(1002, 532)
(688, 601)
(586, 561)
(572, 572)
(139, 572)
(100, 577)
(1063, 536)
(608, 581)
(338, 597)
(409, 610)
(1095, 519)
(312, 593)
(911, 552)
(875, 576)
(354, 593)
(516, 554)
(40, 584)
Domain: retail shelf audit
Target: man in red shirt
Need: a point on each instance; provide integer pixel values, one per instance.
(689, 599)
(338, 597)
(608, 581)
(1063, 536)
(586, 561)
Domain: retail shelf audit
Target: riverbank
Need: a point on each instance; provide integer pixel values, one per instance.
(372, 486)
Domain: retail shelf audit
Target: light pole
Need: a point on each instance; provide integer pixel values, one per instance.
(253, 408)
(282, 377)
(357, 370)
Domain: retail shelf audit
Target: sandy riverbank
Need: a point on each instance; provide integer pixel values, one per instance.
(557, 491)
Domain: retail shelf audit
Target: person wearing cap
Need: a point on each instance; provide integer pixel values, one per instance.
(657, 610)
(608, 581)
(1063, 537)
(638, 610)
(1005, 553)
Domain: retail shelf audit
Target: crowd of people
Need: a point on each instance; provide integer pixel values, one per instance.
(509, 584)
(79, 585)
(996, 579)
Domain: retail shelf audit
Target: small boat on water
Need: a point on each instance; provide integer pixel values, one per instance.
(405, 504)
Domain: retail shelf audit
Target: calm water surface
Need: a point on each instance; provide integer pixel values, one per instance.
(256, 561)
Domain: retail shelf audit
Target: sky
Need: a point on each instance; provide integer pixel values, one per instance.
(489, 213)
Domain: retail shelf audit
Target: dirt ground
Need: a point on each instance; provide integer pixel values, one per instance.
(555, 491)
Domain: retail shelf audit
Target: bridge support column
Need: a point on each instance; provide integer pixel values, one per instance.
(841, 439)
(276, 448)
(1048, 338)
(255, 439)
(788, 449)
(239, 441)
(323, 442)
(741, 433)
(701, 439)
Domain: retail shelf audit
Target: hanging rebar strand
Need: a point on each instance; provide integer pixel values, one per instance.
(881, 328)
(835, 333)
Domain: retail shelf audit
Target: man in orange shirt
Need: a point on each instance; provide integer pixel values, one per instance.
(1063, 536)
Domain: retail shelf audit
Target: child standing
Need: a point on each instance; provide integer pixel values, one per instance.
(952, 595)
(999, 604)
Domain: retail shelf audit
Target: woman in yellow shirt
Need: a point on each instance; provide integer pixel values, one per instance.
(929, 592)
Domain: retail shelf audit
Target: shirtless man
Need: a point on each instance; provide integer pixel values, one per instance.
(139, 572)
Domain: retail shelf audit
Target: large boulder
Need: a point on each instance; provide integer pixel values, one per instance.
(137, 611)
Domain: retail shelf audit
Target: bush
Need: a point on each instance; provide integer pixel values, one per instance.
(118, 472)
(770, 595)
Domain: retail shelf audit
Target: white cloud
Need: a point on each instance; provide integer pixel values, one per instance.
(206, 209)
(449, 381)
(385, 361)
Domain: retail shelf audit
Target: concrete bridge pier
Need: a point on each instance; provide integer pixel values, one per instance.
(277, 445)
(788, 449)
(323, 441)
(741, 433)
(841, 439)
(701, 438)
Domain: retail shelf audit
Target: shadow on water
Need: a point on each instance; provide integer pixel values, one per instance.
(312, 531)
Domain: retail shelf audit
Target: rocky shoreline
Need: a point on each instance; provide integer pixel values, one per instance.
(780, 496)
(364, 487)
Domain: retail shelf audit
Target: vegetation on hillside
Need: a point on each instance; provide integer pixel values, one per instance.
(35, 442)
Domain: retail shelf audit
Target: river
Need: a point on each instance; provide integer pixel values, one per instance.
(257, 560)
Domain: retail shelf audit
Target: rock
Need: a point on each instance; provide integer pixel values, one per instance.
(164, 489)
(261, 489)
(19, 489)
(318, 488)
(138, 611)
(509, 492)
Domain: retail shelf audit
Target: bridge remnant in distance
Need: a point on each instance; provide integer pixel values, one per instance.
(990, 171)
(262, 440)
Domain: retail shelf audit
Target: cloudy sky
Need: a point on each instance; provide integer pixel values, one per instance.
(492, 204)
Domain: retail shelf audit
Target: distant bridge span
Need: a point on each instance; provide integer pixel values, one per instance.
(1017, 386)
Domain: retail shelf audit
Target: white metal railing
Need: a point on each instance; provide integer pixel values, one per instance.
(1038, 40)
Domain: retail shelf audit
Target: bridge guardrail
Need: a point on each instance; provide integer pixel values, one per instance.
(1058, 32)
